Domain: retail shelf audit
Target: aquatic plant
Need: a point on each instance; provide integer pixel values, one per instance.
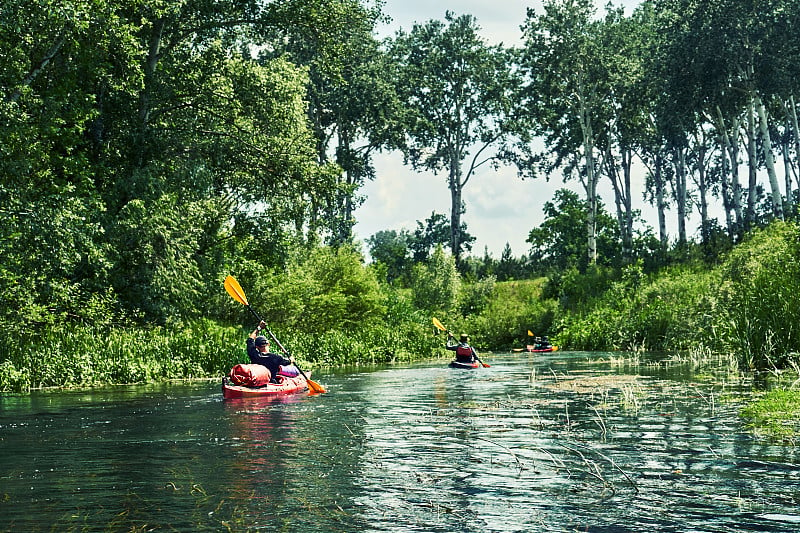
(775, 415)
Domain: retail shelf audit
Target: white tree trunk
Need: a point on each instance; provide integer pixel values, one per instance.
(769, 157)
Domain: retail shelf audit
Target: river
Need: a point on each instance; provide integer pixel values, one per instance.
(552, 442)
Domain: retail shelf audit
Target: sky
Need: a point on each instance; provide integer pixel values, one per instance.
(501, 208)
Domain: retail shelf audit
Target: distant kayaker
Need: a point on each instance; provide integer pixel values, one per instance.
(258, 352)
(464, 352)
(542, 343)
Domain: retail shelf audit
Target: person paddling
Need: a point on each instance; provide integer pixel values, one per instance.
(258, 352)
(464, 352)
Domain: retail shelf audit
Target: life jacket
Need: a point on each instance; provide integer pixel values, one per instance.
(464, 353)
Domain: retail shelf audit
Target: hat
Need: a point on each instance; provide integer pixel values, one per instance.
(464, 337)
(261, 340)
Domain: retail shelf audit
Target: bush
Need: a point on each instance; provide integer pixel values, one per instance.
(760, 296)
(669, 311)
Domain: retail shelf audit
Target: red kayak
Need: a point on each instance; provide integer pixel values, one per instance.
(459, 364)
(286, 385)
(533, 348)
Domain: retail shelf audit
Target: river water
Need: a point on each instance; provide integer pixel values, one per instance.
(551, 442)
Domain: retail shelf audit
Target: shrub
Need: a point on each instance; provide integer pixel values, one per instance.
(760, 296)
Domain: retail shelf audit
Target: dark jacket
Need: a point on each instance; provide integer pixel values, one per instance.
(464, 352)
(270, 360)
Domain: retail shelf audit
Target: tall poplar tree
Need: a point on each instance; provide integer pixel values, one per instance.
(457, 91)
(567, 92)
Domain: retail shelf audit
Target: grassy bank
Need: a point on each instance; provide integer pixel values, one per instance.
(747, 305)
(744, 307)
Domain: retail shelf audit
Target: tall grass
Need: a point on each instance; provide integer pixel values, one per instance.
(667, 312)
(85, 356)
(749, 306)
(761, 297)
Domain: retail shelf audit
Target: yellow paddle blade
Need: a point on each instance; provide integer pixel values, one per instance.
(315, 387)
(235, 290)
(530, 334)
(438, 324)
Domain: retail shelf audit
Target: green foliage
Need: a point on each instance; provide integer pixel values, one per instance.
(474, 297)
(329, 290)
(352, 105)
(390, 249)
(759, 296)
(746, 306)
(559, 243)
(457, 92)
(575, 290)
(672, 311)
(508, 313)
(85, 356)
(775, 415)
(436, 283)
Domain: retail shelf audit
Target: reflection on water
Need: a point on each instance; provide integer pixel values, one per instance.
(551, 442)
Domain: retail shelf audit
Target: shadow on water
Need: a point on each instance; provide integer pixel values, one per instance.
(551, 442)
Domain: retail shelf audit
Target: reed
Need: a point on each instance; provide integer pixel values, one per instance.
(85, 356)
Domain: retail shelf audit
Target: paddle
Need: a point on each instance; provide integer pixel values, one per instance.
(236, 291)
(441, 327)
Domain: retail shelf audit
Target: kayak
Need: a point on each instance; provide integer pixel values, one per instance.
(286, 385)
(532, 348)
(459, 364)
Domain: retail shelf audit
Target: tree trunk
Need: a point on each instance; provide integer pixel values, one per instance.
(344, 227)
(590, 186)
(769, 157)
(35, 71)
(702, 188)
(725, 173)
(627, 238)
(153, 56)
(752, 164)
(680, 192)
(661, 204)
(736, 183)
(622, 196)
(787, 171)
(796, 132)
(454, 182)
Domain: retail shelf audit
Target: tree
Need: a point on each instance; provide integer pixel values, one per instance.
(352, 105)
(457, 91)
(329, 289)
(391, 248)
(433, 232)
(559, 242)
(436, 283)
(156, 139)
(567, 83)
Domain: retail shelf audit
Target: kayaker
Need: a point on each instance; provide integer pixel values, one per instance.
(464, 352)
(545, 343)
(258, 352)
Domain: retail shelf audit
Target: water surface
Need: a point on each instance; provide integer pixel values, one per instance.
(551, 442)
